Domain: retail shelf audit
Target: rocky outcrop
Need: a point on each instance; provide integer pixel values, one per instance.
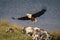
(36, 33)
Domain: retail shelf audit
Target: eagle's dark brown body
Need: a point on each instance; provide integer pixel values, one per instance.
(33, 19)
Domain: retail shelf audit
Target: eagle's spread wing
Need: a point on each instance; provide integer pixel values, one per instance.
(22, 18)
(39, 13)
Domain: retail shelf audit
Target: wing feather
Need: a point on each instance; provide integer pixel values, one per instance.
(39, 13)
(22, 18)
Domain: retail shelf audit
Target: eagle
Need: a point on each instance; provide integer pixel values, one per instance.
(31, 17)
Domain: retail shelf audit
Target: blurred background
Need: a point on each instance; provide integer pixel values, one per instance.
(17, 8)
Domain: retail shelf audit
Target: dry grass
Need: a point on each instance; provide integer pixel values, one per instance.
(16, 35)
(55, 35)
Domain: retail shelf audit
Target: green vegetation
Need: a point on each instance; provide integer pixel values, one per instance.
(16, 35)
(56, 35)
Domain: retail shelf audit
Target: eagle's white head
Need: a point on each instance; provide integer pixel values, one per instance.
(29, 15)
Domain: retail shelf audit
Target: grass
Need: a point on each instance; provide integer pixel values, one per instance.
(17, 34)
(56, 35)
